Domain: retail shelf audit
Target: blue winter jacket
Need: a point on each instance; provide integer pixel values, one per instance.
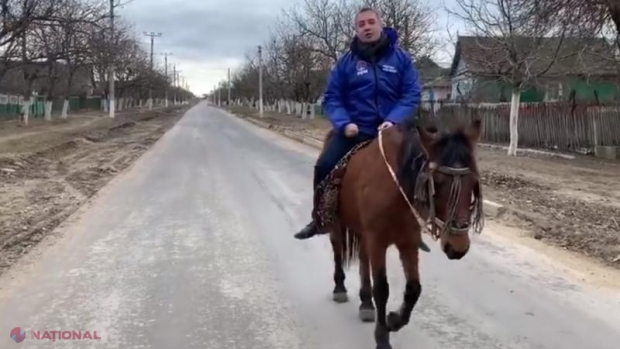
(368, 94)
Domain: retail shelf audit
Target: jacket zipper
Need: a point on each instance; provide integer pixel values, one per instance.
(374, 70)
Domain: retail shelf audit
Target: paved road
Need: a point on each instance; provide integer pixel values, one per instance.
(192, 248)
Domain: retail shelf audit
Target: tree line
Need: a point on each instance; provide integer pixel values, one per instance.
(64, 48)
(308, 39)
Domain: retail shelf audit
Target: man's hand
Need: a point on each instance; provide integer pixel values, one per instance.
(351, 130)
(385, 125)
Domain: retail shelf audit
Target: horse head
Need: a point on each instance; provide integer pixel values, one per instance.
(453, 185)
(447, 181)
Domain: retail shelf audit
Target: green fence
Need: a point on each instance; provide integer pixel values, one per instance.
(11, 106)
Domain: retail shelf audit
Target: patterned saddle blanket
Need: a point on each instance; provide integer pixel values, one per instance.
(328, 191)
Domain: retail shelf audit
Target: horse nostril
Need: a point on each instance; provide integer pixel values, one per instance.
(460, 225)
(452, 254)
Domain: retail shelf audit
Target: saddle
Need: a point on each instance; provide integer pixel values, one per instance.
(327, 193)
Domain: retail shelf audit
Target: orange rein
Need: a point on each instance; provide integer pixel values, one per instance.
(423, 224)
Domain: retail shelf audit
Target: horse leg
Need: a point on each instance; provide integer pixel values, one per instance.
(409, 258)
(380, 291)
(339, 295)
(367, 308)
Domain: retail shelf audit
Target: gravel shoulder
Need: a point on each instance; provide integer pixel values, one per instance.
(48, 170)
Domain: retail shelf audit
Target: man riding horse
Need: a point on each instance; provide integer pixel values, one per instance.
(373, 86)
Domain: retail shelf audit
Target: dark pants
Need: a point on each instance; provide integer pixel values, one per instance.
(336, 148)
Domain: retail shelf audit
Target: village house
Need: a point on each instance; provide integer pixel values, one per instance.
(583, 69)
(435, 82)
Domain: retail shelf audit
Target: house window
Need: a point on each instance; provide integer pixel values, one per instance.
(461, 89)
(554, 92)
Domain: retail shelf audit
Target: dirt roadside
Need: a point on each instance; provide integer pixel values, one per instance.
(570, 204)
(47, 171)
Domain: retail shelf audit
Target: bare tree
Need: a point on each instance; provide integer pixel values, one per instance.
(414, 23)
(46, 44)
(325, 23)
(77, 17)
(596, 17)
(307, 40)
(515, 42)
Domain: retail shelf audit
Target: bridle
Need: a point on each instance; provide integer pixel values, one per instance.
(425, 193)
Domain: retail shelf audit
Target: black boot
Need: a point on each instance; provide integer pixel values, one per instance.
(307, 232)
(311, 229)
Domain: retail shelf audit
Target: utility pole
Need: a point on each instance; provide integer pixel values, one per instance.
(174, 79)
(153, 35)
(180, 86)
(166, 54)
(175, 82)
(111, 106)
(260, 80)
(229, 84)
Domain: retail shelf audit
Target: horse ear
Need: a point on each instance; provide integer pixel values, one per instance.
(474, 131)
(426, 137)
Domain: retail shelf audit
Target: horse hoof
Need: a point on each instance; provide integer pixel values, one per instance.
(340, 297)
(367, 315)
(394, 322)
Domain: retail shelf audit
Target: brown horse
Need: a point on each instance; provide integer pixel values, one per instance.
(391, 189)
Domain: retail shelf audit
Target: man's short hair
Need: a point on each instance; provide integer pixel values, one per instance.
(367, 9)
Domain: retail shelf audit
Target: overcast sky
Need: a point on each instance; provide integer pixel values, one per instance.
(206, 37)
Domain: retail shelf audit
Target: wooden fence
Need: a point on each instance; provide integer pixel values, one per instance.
(559, 126)
(11, 106)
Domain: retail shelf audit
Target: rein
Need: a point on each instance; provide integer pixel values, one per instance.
(455, 190)
(423, 224)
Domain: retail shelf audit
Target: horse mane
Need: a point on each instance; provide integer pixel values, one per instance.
(411, 159)
(454, 151)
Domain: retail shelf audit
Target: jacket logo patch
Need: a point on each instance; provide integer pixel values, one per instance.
(389, 69)
(362, 68)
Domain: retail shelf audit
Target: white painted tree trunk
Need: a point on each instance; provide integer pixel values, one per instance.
(48, 110)
(514, 122)
(65, 109)
(27, 104)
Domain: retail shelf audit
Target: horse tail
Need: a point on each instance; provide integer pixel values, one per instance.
(350, 247)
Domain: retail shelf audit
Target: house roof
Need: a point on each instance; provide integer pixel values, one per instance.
(567, 56)
(442, 81)
(429, 70)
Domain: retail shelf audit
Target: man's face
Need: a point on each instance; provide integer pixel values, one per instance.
(367, 26)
